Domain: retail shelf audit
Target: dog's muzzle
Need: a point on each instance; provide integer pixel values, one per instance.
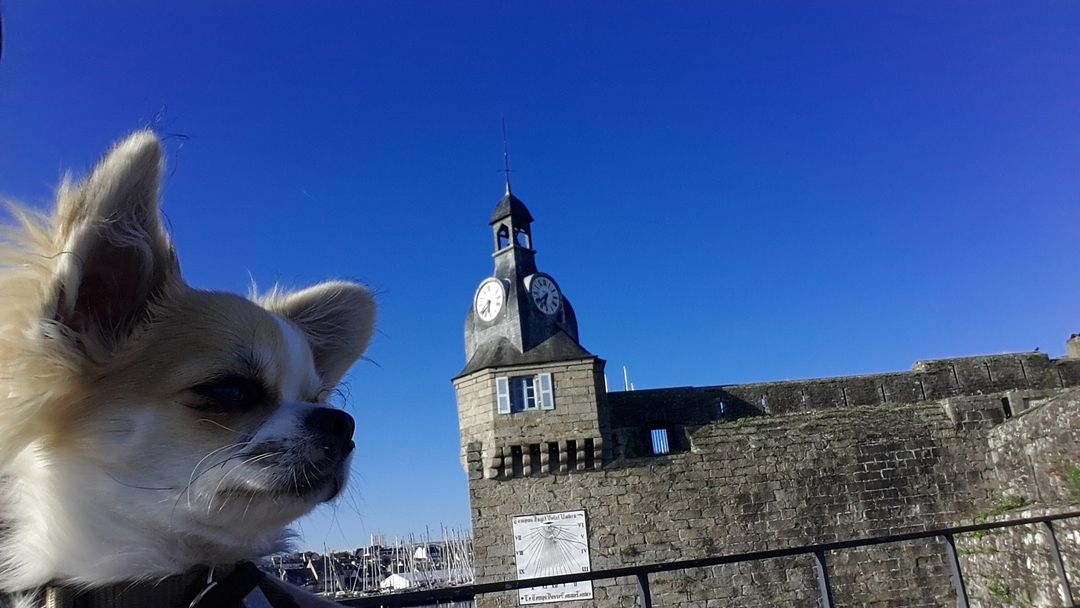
(330, 443)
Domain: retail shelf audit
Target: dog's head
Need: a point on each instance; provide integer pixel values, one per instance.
(190, 417)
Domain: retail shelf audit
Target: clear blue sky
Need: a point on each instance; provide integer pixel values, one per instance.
(727, 192)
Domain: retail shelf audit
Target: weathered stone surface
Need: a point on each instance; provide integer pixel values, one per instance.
(784, 464)
(762, 483)
(1035, 461)
(566, 438)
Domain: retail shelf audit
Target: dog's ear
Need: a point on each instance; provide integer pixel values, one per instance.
(114, 253)
(336, 317)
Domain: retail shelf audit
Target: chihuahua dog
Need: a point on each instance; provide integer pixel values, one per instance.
(147, 427)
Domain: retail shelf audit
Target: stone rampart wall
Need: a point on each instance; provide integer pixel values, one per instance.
(1036, 466)
(769, 465)
(811, 476)
(761, 483)
(927, 381)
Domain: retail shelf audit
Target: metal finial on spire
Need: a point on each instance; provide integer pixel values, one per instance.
(506, 156)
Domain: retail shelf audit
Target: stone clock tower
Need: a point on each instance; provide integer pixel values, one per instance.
(529, 395)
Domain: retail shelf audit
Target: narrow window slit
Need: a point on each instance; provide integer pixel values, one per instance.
(534, 458)
(553, 457)
(518, 468)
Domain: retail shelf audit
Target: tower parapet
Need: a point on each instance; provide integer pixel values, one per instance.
(1072, 347)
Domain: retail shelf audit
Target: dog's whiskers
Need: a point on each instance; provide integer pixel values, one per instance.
(193, 477)
(128, 485)
(217, 488)
(218, 424)
(251, 498)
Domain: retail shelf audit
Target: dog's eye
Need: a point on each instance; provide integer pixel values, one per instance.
(231, 393)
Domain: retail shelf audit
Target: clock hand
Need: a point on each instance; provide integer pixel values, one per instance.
(486, 308)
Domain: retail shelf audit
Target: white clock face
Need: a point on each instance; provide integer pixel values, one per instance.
(545, 294)
(489, 299)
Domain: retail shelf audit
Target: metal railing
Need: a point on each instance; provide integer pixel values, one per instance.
(818, 551)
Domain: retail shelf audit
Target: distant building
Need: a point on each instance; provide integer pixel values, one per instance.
(414, 580)
(565, 476)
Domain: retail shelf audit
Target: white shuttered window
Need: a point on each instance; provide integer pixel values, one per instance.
(524, 393)
(547, 393)
(502, 389)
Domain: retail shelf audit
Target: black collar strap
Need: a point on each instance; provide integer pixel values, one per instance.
(198, 588)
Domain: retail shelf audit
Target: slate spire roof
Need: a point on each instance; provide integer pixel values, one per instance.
(512, 207)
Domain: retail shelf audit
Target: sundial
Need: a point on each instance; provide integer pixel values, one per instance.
(552, 544)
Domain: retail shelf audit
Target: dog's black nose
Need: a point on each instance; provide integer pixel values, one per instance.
(332, 424)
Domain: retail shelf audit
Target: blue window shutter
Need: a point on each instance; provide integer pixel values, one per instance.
(502, 389)
(660, 443)
(547, 395)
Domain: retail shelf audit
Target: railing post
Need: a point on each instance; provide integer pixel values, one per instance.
(643, 586)
(823, 579)
(957, 576)
(1055, 552)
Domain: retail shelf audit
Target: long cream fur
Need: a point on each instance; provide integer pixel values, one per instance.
(109, 469)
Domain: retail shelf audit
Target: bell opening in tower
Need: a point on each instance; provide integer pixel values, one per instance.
(502, 238)
(522, 238)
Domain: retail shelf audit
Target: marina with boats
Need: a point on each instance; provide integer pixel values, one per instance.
(406, 564)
